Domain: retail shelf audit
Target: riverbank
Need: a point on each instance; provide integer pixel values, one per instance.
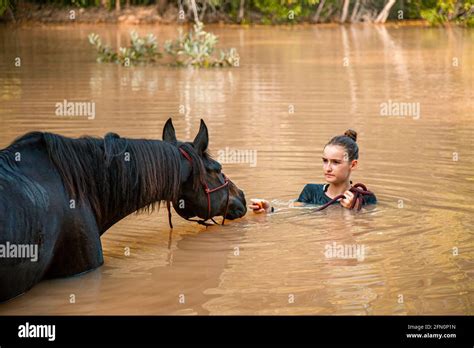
(36, 13)
(30, 13)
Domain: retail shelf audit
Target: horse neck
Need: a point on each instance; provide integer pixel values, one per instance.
(116, 176)
(141, 174)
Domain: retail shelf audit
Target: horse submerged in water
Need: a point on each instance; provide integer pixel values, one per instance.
(59, 195)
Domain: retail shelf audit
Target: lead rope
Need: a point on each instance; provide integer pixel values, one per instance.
(201, 222)
(359, 190)
(168, 206)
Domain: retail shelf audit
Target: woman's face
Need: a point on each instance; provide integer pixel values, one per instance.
(336, 165)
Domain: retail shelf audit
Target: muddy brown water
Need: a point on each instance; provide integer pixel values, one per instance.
(295, 88)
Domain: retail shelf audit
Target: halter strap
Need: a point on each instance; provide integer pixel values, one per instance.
(185, 154)
(208, 192)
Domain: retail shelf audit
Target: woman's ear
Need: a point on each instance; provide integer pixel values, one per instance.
(354, 164)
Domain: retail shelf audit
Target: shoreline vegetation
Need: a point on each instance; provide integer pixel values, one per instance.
(240, 12)
(196, 48)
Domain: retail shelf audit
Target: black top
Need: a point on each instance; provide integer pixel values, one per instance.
(316, 194)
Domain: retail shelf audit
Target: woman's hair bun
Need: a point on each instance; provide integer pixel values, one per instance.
(351, 134)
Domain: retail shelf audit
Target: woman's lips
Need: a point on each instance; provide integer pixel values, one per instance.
(330, 175)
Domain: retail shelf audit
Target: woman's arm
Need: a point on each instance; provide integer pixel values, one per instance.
(263, 206)
(260, 206)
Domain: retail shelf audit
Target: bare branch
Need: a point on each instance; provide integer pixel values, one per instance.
(383, 15)
(345, 10)
(318, 11)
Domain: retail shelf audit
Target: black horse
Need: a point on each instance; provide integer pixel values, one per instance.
(61, 194)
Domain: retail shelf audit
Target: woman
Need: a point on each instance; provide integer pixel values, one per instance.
(340, 158)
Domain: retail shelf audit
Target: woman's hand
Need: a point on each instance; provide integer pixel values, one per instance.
(346, 202)
(260, 206)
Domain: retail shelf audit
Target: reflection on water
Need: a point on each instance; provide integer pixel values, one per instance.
(295, 88)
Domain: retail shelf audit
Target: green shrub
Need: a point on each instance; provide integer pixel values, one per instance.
(458, 11)
(196, 48)
(4, 5)
(284, 11)
(141, 50)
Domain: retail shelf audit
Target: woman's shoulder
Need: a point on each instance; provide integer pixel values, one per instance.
(314, 187)
(370, 199)
(312, 193)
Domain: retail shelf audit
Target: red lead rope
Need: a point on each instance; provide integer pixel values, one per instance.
(359, 190)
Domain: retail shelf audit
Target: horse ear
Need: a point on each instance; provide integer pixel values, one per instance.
(202, 138)
(110, 135)
(109, 145)
(169, 134)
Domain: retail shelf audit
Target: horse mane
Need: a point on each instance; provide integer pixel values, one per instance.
(37, 194)
(109, 171)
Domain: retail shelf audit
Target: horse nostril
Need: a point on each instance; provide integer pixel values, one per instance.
(242, 197)
(242, 209)
(237, 209)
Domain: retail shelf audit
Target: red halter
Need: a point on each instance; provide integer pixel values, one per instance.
(208, 192)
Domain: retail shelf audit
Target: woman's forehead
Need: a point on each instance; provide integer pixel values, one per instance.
(334, 152)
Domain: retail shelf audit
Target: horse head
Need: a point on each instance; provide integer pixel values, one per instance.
(205, 191)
